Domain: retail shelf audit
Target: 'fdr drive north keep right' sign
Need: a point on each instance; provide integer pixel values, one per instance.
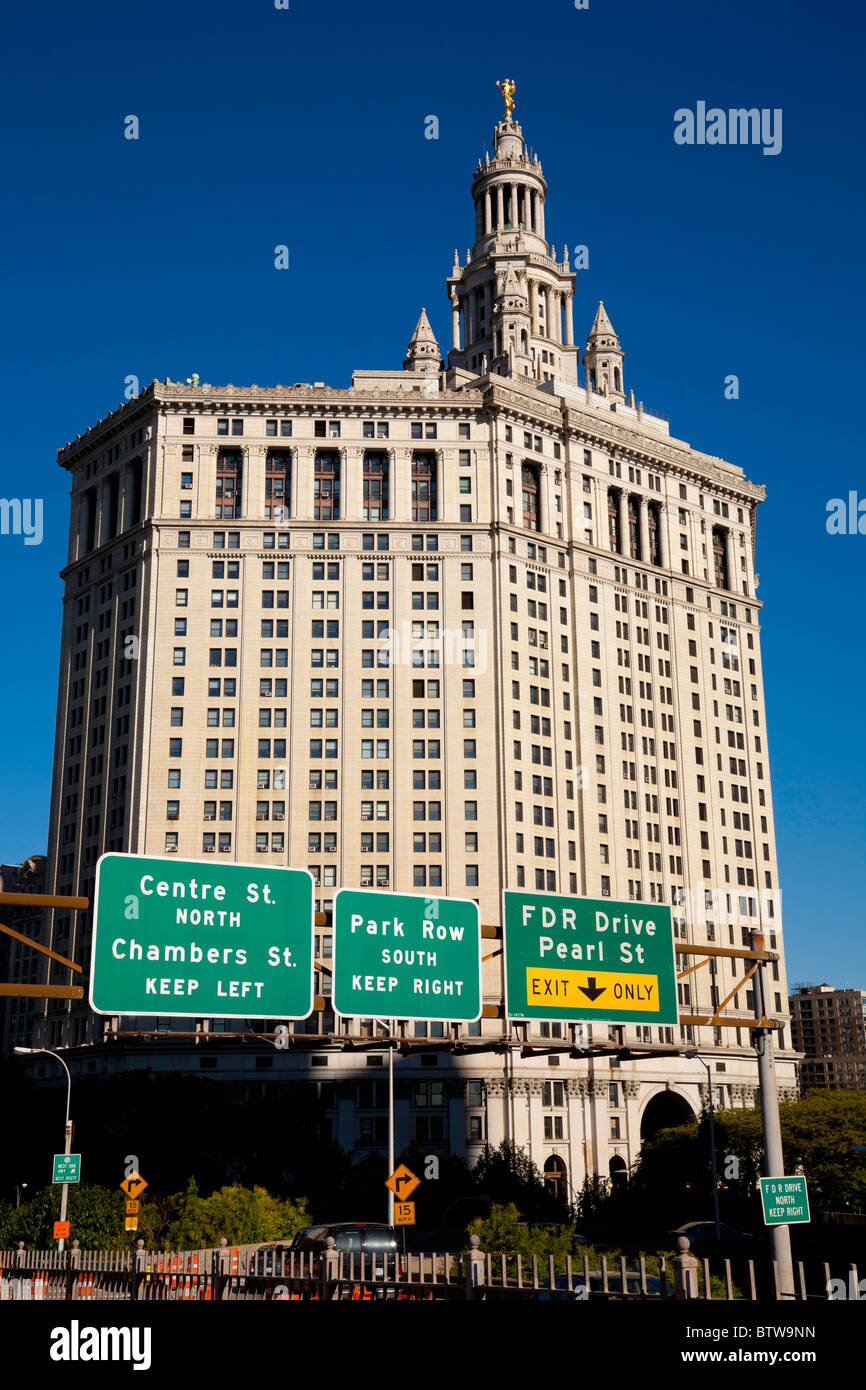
(588, 959)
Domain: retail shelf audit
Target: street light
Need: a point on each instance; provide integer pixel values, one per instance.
(389, 1024)
(19, 1188)
(64, 1191)
(697, 1057)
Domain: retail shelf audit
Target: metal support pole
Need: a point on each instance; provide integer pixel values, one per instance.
(390, 1130)
(774, 1164)
(713, 1152)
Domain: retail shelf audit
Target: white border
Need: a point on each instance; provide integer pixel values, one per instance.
(385, 1013)
(594, 1018)
(200, 1013)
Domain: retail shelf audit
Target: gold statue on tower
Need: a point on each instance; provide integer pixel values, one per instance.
(507, 89)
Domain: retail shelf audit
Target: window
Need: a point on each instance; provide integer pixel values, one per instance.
(530, 489)
(326, 484)
(375, 485)
(423, 488)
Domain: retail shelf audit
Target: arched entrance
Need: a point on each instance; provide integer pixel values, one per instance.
(556, 1177)
(618, 1171)
(664, 1111)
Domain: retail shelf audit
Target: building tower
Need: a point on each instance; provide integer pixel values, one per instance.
(422, 354)
(431, 632)
(511, 304)
(604, 357)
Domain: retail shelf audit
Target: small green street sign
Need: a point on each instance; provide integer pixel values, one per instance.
(184, 938)
(785, 1200)
(588, 959)
(401, 955)
(67, 1168)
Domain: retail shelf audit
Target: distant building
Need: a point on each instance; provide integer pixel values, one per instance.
(829, 1026)
(17, 961)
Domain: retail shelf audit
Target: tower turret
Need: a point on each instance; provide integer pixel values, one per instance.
(512, 302)
(422, 354)
(604, 357)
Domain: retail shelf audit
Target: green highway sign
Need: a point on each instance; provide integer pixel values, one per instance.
(400, 955)
(67, 1168)
(588, 959)
(184, 938)
(785, 1201)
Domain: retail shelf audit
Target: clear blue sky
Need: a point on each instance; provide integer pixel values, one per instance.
(306, 127)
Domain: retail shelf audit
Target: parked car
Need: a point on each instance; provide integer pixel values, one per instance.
(373, 1240)
(702, 1237)
(376, 1241)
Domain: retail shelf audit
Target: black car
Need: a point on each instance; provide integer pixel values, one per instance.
(701, 1236)
(372, 1244)
(368, 1246)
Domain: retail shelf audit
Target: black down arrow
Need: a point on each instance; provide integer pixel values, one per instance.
(590, 990)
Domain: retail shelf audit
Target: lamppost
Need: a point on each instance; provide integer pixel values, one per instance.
(19, 1188)
(64, 1191)
(389, 1024)
(708, 1069)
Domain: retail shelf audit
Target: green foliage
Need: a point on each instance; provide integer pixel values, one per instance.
(504, 1231)
(508, 1175)
(95, 1215)
(241, 1214)
(184, 1221)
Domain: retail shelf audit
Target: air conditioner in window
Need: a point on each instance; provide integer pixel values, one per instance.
(365, 815)
(366, 851)
(334, 818)
(171, 849)
(383, 883)
(278, 815)
(209, 849)
(210, 817)
(261, 849)
(259, 816)
(186, 487)
(330, 849)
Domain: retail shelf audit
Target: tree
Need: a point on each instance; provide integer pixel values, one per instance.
(508, 1174)
(95, 1216)
(242, 1215)
(503, 1230)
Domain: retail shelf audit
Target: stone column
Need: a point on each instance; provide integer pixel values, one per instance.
(353, 484)
(496, 1101)
(500, 215)
(400, 484)
(302, 481)
(623, 524)
(533, 306)
(487, 209)
(569, 320)
(731, 551)
(253, 496)
(125, 502)
(644, 530)
(664, 554)
(206, 479)
(455, 321)
(557, 317)
(541, 215)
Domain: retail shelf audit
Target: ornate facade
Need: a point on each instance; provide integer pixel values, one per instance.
(458, 627)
